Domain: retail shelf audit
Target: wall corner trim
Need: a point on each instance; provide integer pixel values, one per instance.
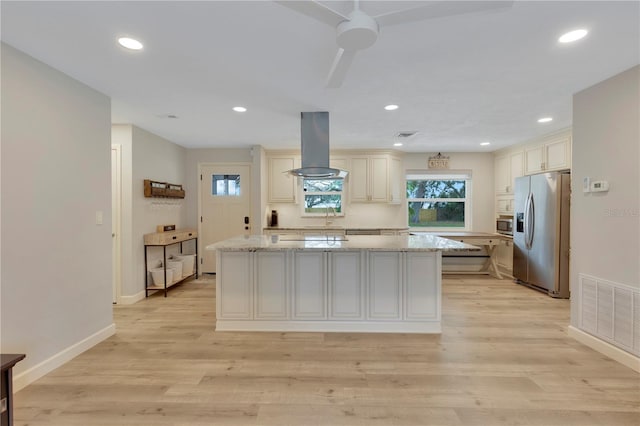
(623, 357)
(29, 376)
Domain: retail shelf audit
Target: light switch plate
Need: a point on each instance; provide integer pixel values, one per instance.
(99, 217)
(586, 184)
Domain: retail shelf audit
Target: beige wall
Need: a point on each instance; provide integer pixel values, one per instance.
(56, 261)
(605, 227)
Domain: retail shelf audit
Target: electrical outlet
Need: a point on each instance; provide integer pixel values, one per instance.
(99, 217)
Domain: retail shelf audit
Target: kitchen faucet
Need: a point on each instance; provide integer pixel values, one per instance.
(326, 215)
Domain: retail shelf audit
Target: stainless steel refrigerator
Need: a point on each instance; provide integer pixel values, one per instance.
(541, 232)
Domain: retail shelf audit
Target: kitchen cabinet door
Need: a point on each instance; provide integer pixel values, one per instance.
(309, 285)
(558, 154)
(502, 174)
(422, 284)
(346, 285)
(507, 168)
(369, 180)
(384, 286)
(271, 285)
(379, 179)
(282, 186)
(553, 154)
(534, 159)
(504, 205)
(396, 180)
(234, 289)
(359, 180)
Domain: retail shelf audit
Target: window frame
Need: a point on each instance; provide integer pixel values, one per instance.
(303, 211)
(442, 175)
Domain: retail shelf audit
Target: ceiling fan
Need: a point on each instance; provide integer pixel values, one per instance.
(358, 30)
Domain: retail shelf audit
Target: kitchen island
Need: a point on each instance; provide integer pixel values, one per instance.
(331, 283)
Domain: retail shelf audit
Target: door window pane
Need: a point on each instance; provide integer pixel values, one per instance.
(225, 185)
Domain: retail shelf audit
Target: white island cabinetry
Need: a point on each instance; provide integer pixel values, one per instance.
(364, 284)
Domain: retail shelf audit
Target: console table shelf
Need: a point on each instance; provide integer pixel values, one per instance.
(165, 239)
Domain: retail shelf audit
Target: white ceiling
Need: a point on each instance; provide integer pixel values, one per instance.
(459, 80)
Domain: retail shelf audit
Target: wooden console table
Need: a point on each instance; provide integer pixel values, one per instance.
(485, 240)
(164, 239)
(6, 385)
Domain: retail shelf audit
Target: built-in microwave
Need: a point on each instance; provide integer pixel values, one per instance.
(504, 226)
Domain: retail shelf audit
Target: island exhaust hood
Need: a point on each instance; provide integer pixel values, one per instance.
(315, 148)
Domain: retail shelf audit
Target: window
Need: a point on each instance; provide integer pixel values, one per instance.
(439, 201)
(225, 185)
(322, 196)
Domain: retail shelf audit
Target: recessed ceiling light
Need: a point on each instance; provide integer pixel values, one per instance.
(572, 36)
(397, 144)
(485, 143)
(130, 43)
(239, 109)
(545, 120)
(391, 107)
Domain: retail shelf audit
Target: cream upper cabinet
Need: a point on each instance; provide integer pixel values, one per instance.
(341, 163)
(396, 180)
(369, 180)
(554, 154)
(504, 205)
(507, 168)
(282, 186)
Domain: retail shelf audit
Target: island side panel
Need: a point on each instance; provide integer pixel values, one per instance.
(423, 286)
(272, 285)
(346, 285)
(385, 287)
(309, 285)
(234, 285)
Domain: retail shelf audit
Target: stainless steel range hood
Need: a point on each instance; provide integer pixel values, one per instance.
(315, 148)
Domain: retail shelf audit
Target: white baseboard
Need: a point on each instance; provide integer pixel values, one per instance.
(34, 373)
(431, 327)
(623, 357)
(130, 300)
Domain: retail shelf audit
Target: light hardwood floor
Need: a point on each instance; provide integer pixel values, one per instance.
(503, 358)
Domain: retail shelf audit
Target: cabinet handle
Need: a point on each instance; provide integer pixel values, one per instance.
(174, 237)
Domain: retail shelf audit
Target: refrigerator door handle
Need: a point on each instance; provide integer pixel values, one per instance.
(530, 227)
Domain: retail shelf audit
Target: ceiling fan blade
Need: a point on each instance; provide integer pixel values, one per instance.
(315, 10)
(341, 64)
(439, 9)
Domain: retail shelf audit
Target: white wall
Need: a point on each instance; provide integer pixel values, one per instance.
(56, 261)
(481, 166)
(605, 227)
(156, 159)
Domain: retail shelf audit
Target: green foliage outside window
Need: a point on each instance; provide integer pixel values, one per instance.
(436, 203)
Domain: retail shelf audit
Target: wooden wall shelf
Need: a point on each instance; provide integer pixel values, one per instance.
(153, 188)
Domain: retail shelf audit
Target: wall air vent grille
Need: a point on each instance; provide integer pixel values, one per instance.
(610, 311)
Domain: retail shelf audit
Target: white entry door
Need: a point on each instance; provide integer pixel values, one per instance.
(225, 206)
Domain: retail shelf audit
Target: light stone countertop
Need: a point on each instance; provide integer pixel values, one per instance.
(340, 243)
(320, 228)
